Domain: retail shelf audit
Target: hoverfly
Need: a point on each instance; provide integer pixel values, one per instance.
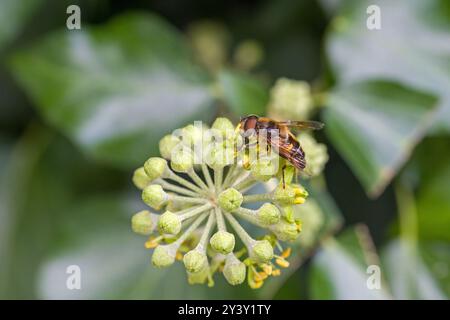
(285, 143)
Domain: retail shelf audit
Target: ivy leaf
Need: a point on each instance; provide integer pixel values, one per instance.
(375, 125)
(409, 276)
(18, 178)
(433, 195)
(412, 47)
(339, 271)
(436, 255)
(243, 94)
(117, 88)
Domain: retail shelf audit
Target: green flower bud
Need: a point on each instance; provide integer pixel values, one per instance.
(199, 277)
(154, 196)
(209, 41)
(169, 223)
(312, 217)
(290, 99)
(290, 194)
(234, 270)
(230, 199)
(192, 134)
(261, 251)
(284, 195)
(140, 178)
(167, 144)
(164, 256)
(286, 231)
(263, 169)
(155, 168)
(268, 214)
(224, 126)
(182, 160)
(248, 54)
(219, 156)
(316, 155)
(222, 242)
(195, 261)
(143, 222)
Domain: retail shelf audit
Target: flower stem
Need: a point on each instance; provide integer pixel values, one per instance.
(203, 243)
(191, 229)
(184, 182)
(218, 173)
(194, 176)
(183, 211)
(229, 175)
(170, 187)
(220, 220)
(250, 217)
(187, 199)
(245, 237)
(245, 183)
(207, 176)
(195, 211)
(257, 197)
(246, 212)
(239, 177)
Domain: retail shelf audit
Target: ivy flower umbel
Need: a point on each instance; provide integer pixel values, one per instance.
(202, 203)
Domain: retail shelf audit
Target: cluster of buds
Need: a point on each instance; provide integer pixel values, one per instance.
(290, 99)
(203, 188)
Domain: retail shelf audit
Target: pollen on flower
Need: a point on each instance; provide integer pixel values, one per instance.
(201, 206)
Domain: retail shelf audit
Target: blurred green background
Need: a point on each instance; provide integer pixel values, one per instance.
(81, 109)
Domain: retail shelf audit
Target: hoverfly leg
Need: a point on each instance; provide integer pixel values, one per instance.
(282, 176)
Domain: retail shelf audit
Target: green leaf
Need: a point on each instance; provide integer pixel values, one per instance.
(19, 170)
(412, 47)
(431, 170)
(436, 255)
(338, 272)
(375, 125)
(242, 93)
(434, 207)
(117, 88)
(409, 276)
(13, 15)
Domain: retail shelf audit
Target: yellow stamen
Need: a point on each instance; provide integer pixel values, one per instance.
(179, 256)
(286, 253)
(299, 225)
(299, 192)
(256, 285)
(152, 242)
(276, 272)
(267, 269)
(263, 275)
(299, 200)
(282, 263)
(257, 277)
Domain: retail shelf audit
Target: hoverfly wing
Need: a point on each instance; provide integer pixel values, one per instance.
(291, 151)
(314, 125)
(297, 159)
